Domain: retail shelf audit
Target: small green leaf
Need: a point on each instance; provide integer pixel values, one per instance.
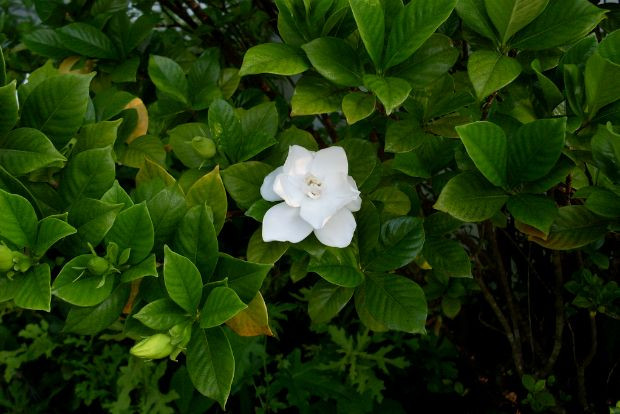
(221, 305)
(148, 267)
(77, 286)
(8, 103)
(338, 266)
(276, 58)
(196, 239)
(34, 289)
(88, 174)
(575, 227)
(537, 211)
(133, 229)
(18, 221)
(243, 181)
(210, 190)
(169, 78)
(50, 231)
(490, 71)
(264, 252)
(92, 219)
(327, 300)
(487, 146)
(469, 197)
(314, 95)
(92, 320)
(87, 40)
(210, 363)
(183, 281)
(245, 278)
(370, 20)
(510, 16)
(401, 240)
(474, 16)
(601, 75)
(161, 314)
(392, 92)
(447, 256)
(357, 106)
(335, 60)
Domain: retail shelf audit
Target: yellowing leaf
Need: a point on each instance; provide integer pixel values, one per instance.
(253, 320)
(151, 170)
(66, 66)
(142, 125)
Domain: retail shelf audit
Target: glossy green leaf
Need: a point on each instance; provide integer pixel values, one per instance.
(210, 190)
(243, 181)
(24, 150)
(474, 16)
(147, 267)
(403, 136)
(315, 95)
(392, 92)
(357, 106)
(46, 42)
(183, 281)
(76, 285)
(447, 256)
(395, 302)
(469, 197)
(335, 60)
(276, 58)
(370, 20)
(534, 149)
(140, 149)
(490, 71)
(87, 40)
(92, 320)
(18, 221)
(34, 289)
(604, 202)
(327, 300)
(260, 251)
(221, 305)
(133, 229)
(98, 135)
(88, 174)
(602, 74)
(606, 151)
(117, 195)
(338, 266)
(362, 157)
(8, 103)
(414, 24)
(161, 314)
(537, 211)
(401, 240)
(92, 219)
(487, 146)
(510, 16)
(210, 363)
(552, 94)
(57, 106)
(575, 227)
(166, 208)
(50, 231)
(245, 278)
(562, 22)
(169, 78)
(181, 142)
(196, 239)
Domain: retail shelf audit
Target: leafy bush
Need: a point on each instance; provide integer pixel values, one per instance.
(340, 205)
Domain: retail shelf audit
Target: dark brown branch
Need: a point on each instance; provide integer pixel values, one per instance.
(559, 316)
(329, 127)
(180, 12)
(581, 367)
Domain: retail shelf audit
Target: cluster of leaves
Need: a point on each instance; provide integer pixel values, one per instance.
(132, 155)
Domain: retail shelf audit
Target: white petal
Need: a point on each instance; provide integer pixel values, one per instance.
(266, 190)
(356, 204)
(290, 188)
(337, 193)
(338, 231)
(298, 160)
(329, 161)
(282, 223)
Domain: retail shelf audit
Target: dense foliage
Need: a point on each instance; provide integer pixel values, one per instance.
(484, 139)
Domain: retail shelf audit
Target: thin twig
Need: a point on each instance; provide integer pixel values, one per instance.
(559, 316)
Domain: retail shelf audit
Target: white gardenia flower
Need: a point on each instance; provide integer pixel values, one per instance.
(318, 195)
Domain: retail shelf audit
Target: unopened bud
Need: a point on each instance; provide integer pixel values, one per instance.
(153, 347)
(204, 146)
(97, 265)
(6, 258)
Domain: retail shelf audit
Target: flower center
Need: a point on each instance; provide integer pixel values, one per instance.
(313, 187)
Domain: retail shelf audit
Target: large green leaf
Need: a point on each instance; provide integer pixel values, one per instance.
(245, 278)
(552, 94)
(403, 135)
(604, 202)
(88, 174)
(18, 221)
(243, 181)
(533, 210)
(415, 23)
(221, 305)
(133, 229)
(602, 75)
(534, 149)
(210, 190)
(50, 231)
(166, 208)
(87, 40)
(335, 59)
(392, 92)
(370, 20)
(57, 106)
(357, 106)
(562, 22)
(469, 197)
(575, 227)
(447, 256)
(400, 242)
(338, 266)
(487, 146)
(510, 16)
(8, 103)
(92, 320)
(260, 251)
(606, 151)
(276, 58)
(490, 71)
(183, 281)
(395, 302)
(210, 363)
(474, 16)
(196, 239)
(161, 314)
(169, 78)
(326, 300)
(92, 219)
(46, 42)
(314, 95)
(34, 288)
(76, 285)
(24, 150)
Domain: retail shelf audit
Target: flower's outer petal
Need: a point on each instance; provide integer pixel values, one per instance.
(266, 190)
(337, 193)
(298, 160)
(282, 223)
(356, 204)
(330, 160)
(338, 231)
(290, 188)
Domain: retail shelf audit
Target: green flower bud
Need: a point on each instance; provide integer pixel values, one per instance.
(153, 347)
(21, 262)
(204, 146)
(98, 265)
(6, 258)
